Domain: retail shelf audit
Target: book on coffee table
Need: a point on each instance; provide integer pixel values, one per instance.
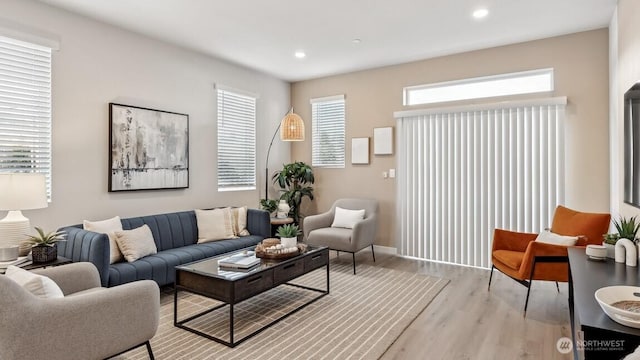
(239, 261)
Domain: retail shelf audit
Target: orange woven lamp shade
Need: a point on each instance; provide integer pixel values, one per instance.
(292, 128)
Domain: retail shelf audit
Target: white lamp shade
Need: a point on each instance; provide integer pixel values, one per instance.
(23, 191)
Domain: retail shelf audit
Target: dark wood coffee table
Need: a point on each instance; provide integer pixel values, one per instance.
(204, 278)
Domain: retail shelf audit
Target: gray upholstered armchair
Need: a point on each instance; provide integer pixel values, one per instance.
(318, 231)
(90, 322)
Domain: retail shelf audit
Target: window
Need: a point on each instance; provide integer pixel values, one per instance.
(328, 131)
(526, 82)
(236, 140)
(25, 108)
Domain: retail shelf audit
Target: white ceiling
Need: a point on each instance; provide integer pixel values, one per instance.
(264, 35)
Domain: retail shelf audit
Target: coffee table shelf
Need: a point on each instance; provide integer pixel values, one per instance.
(205, 278)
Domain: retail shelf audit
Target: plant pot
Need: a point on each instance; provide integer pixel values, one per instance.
(611, 250)
(43, 253)
(289, 242)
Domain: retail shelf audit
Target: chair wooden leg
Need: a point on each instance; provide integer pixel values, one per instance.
(490, 277)
(151, 357)
(557, 286)
(373, 254)
(354, 262)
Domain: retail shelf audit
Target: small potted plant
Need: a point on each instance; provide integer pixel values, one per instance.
(43, 245)
(288, 235)
(269, 205)
(610, 243)
(627, 229)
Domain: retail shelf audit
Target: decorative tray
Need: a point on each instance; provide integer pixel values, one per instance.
(263, 253)
(621, 304)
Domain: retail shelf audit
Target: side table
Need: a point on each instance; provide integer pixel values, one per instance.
(59, 261)
(276, 222)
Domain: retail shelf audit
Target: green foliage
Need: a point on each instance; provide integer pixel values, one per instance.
(293, 180)
(288, 231)
(269, 205)
(611, 239)
(46, 239)
(627, 228)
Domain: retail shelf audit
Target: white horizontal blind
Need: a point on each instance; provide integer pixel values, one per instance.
(236, 141)
(464, 173)
(25, 108)
(328, 118)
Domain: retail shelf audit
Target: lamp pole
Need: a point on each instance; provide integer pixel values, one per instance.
(266, 164)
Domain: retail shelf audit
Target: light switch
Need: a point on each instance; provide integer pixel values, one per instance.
(384, 175)
(392, 173)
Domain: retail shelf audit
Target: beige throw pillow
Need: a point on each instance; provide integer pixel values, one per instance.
(38, 285)
(136, 243)
(109, 227)
(548, 237)
(345, 218)
(240, 221)
(214, 225)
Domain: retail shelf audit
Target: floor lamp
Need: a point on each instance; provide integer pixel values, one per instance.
(18, 191)
(291, 129)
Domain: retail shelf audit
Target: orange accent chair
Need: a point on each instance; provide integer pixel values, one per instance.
(521, 258)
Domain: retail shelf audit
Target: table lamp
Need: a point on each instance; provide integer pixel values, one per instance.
(18, 191)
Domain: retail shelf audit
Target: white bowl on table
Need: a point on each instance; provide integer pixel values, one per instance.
(609, 295)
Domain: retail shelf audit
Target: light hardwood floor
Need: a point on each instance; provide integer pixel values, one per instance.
(465, 321)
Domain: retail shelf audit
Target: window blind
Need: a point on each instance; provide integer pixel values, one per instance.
(328, 122)
(464, 172)
(236, 141)
(25, 108)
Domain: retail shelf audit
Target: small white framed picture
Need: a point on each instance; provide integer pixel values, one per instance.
(360, 150)
(383, 141)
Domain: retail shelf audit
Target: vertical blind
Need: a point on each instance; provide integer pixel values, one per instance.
(236, 141)
(328, 121)
(463, 173)
(25, 108)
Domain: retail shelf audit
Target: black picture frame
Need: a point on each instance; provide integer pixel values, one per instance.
(148, 149)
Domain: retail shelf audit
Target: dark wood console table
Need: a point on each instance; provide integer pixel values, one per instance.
(602, 337)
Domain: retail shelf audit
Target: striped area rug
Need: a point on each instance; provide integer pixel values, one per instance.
(361, 317)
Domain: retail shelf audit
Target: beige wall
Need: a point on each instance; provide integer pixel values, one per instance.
(581, 73)
(625, 70)
(98, 64)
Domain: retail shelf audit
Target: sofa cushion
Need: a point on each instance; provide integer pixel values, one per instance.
(136, 243)
(216, 224)
(239, 216)
(38, 285)
(109, 227)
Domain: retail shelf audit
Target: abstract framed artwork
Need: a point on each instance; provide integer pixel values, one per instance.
(360, 150)
(148, 149)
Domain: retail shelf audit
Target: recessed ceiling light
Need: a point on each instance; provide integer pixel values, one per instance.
(300, 54)
(480, 13)
(356, 41)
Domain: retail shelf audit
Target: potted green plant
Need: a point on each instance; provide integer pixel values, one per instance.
(627, 229)
(269, 205)
(43, 245)
(294, 180)
(288, 235)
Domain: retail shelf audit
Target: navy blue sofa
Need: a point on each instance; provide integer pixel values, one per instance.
(176, 237)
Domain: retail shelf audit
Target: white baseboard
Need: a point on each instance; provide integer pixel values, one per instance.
(385, 249)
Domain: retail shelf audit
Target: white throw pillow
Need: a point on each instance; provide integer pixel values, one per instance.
(345, 218)
(239, 221)
(136, 243)
(216, 224)
(109, 227)
(551, 238)
(38, 285)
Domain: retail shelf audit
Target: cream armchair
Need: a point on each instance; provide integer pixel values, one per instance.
(318, 231)
(90, 322)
